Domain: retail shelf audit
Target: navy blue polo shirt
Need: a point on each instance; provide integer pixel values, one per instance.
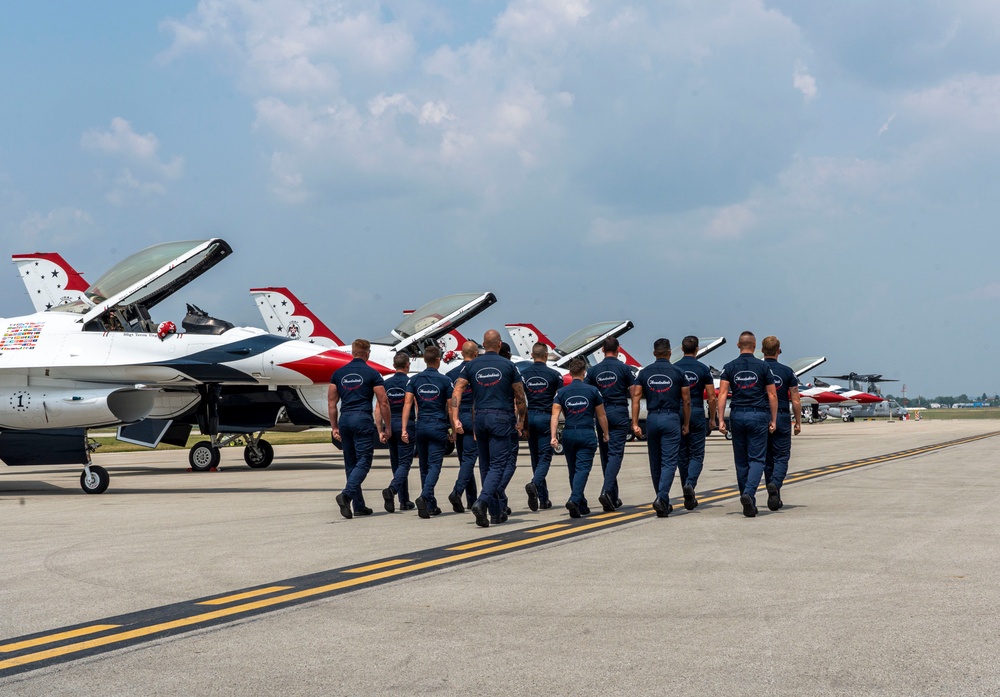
(579, 403)
(612, 378)
(431, 391)
(356, 383)
(748, 378)
(540, 386)
(395, 392)
(492, 379)
(699, 378)
(466, 408)
(784, 380)
(662, 383)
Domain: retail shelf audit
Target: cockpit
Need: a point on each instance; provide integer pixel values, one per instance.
(121, 299)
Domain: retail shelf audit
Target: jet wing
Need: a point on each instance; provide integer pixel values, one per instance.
(804, 365)
(148, 277)
(439, 317)
(588, 340)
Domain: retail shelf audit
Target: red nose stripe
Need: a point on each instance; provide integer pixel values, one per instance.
(320, 368)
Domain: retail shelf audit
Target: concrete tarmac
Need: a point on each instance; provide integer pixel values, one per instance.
(880, 580)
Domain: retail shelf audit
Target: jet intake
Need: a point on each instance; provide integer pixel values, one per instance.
(57, 408)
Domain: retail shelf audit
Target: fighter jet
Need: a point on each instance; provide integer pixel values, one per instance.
(99, 359)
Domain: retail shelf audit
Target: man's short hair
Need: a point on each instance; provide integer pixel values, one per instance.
(577, 365)
(746, 339)
(610, 345)
(505, 351)
(360, 347)
(540, 350)
(400, 361)
(661, 348)
(491, 340)
(470, 349)
(432, 354)
(770, 346)
(689, 345)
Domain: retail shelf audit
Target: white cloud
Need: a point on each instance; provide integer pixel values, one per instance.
(885, 126)
(963, 103)
(804, 82)
(730, 222)
(144, 172)
(121, 141)
(57, 228)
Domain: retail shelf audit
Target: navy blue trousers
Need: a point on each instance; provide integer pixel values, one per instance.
(540, 449)
(749, 447)
(432, 441)
(612, 452)
(579, 447)
(400, 460)
(468, 452)
(691, 456)
(663, 438)
(357, 435)
(779, 450)
(493, 435)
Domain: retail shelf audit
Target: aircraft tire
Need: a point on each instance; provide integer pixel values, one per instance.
(203, 457)
(260, 457)
(97, 482)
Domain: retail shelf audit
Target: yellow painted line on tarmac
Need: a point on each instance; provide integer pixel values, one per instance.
(547, 528)
(52, 638)
(471, 545)
(375, 567)
(140, 632)
(244, 596)
(612, 514)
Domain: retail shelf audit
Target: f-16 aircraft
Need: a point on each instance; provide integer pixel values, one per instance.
(435, 322)
(99, 360)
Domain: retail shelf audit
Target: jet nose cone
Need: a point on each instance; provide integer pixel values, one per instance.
(319, 368)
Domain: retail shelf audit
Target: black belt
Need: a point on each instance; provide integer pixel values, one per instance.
(579, 428)
(495, 411)
(616, 404)
(664, 410)
(749, 409)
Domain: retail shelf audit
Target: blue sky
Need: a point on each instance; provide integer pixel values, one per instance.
(825, 172)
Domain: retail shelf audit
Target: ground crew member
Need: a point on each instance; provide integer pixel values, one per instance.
(691, 457)
(429, 393)
(465, 443)
(581, 404)
(354, 386)
(540, 386)
(752, 416)
(515, 444)
(400, 451)
(496, 384)
(668, 414)
(779, 443)
(614, 379)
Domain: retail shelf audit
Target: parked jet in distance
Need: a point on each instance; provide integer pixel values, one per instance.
(101, 360)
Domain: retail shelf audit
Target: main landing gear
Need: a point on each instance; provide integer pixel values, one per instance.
(257, 452)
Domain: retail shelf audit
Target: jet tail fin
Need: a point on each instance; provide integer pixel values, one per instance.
(286, 315)
(524, 336)
(49, 279)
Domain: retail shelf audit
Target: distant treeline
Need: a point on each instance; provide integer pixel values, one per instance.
(942, 401)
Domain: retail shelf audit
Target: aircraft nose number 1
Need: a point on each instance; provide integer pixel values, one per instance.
(20, 400)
